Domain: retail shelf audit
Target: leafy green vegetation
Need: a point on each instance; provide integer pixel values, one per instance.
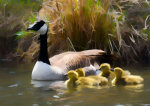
(14, 13)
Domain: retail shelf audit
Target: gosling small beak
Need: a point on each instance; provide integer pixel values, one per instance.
(112, 69)
(65, 75)
(100, 68)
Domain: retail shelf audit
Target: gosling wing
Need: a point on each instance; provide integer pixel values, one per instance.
(133, 79)
(126, 72)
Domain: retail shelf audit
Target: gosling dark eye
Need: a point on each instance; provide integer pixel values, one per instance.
(112, 69)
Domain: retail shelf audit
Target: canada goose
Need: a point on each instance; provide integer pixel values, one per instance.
(103, 80)
(57, 66)
(122, 79)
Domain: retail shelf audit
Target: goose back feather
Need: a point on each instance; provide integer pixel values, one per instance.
(73, 60)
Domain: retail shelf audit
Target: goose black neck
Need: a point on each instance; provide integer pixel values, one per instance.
(43, 56)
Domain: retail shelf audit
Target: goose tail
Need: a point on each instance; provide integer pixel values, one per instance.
(104, 58)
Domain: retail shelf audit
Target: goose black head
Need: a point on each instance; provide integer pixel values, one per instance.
(39, 26)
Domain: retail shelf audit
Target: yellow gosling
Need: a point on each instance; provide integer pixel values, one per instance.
(126, 72)
(86, 81)
(82, 80)
(75, 81)
(100, 79)
(72, 78)
(122, 79)
(81, 72)
(106, 72)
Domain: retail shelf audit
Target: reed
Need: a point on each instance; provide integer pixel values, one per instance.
(83, 24)
(76, 25)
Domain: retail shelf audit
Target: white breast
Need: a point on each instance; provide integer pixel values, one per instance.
(43, 71)
(43, 29)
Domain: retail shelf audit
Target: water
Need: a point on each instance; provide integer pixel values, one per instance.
(16, 90)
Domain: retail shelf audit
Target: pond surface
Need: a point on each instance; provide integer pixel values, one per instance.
(17, 89)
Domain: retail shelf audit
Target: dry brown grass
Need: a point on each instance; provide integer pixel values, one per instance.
(79, 25)
(88, 24)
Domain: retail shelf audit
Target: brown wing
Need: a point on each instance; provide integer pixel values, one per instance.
(93, 52)
(133, 79)
(100, 56)
(73, 60)
(70, 60)
(126, 72)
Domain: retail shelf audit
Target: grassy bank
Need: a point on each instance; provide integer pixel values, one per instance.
(116, 27)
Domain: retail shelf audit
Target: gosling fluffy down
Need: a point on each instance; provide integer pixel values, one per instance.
(106, 71)
(76, 80)
(72, 78)
(123, 79)
(102, 80)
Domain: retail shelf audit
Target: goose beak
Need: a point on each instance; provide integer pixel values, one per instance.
(28, 29)
(112, 69)
(65, 76)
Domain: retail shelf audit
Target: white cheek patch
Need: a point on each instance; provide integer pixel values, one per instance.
(43, 29)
